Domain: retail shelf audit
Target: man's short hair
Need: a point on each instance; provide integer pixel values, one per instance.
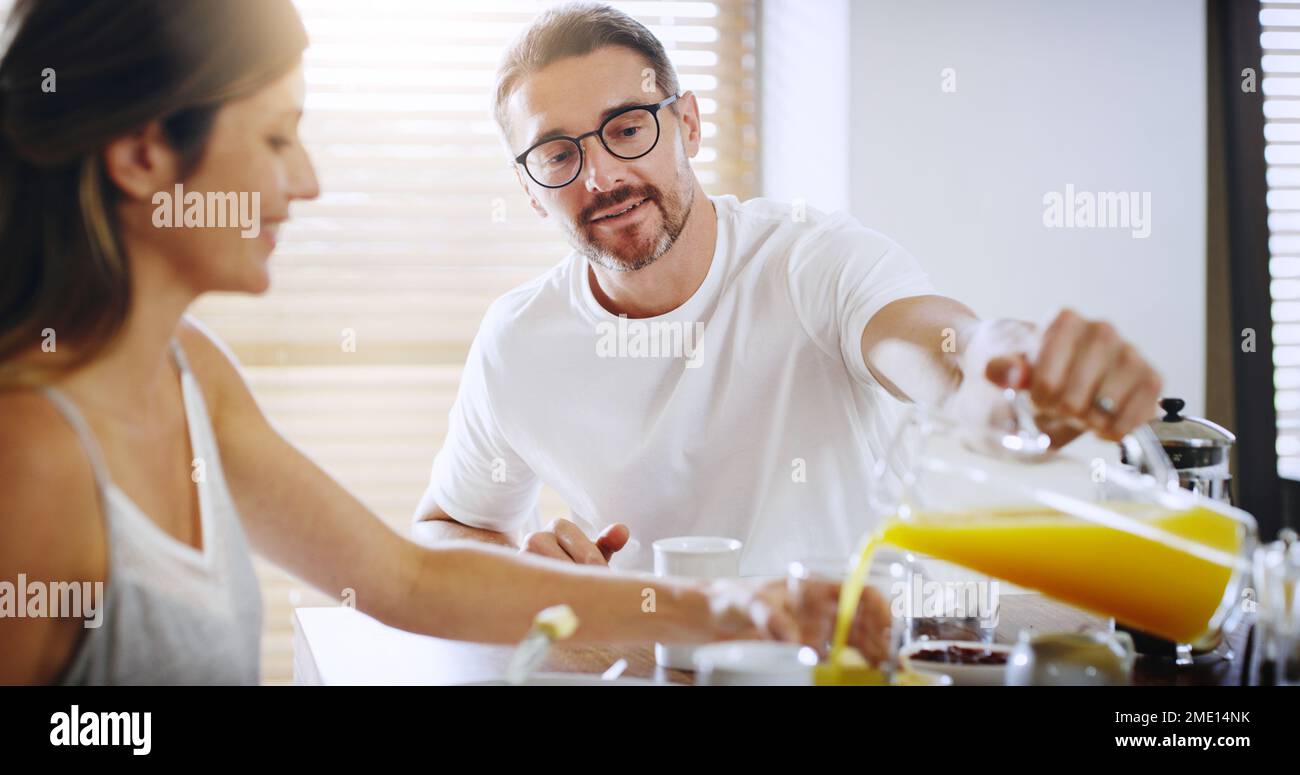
(572, 30)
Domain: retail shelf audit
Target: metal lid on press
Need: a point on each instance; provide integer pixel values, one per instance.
(1177, 430)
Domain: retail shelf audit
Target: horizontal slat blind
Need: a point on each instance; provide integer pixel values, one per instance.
(1280, 39)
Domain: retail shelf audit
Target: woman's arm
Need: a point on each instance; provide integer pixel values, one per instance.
(300, 518)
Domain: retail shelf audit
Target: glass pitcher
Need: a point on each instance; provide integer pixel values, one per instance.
(1119, 543)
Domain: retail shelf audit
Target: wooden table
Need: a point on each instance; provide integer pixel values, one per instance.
(334, 646)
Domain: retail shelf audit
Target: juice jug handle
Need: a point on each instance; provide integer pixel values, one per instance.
(1141, 445)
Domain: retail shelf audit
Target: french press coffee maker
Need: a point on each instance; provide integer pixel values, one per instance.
(1198, 448)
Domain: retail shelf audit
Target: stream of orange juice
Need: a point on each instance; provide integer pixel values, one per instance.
(1143, 580)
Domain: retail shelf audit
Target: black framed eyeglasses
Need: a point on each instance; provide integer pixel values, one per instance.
(631, 133)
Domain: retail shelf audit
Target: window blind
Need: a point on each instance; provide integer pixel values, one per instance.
(1280, 85)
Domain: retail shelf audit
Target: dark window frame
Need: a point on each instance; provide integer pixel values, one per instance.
(1237, 128)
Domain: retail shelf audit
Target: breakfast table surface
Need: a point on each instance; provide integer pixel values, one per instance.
(341, 646)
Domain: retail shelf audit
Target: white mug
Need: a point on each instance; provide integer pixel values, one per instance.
(695, 557)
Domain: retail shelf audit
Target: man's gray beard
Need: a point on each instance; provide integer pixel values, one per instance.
(667, 238)
(607, 260)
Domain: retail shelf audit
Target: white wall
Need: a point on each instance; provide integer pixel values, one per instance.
(804, 121)
(1108, 95)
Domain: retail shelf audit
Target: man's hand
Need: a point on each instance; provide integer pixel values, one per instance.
(1080, 374)
(563, 540)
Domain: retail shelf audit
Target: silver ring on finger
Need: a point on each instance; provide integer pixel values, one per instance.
(1105, 404)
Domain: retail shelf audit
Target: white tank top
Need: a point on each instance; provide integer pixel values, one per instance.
(172, 614)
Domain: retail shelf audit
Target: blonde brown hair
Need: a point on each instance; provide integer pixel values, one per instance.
(75, 75)
(573, 30)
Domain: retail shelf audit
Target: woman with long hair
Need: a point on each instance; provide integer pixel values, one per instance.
(131, 451)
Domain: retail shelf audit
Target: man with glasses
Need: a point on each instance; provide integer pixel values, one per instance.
(766, 427)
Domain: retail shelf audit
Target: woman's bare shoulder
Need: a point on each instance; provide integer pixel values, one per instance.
(51, 517)
(51, 528)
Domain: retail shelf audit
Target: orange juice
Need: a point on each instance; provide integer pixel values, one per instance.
(1165, 572)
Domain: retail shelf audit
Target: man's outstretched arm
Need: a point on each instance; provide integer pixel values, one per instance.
(1081, 373)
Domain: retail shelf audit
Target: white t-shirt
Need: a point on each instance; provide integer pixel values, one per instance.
(747, 412)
